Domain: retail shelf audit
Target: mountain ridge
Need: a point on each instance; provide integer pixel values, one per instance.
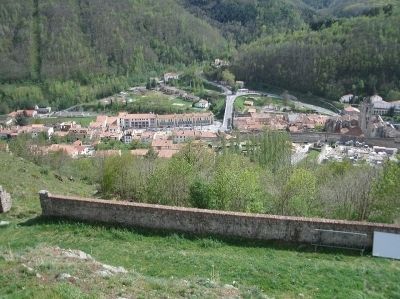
(63, 52)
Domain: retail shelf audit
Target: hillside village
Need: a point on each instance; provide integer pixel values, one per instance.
(165, 134)
(199, 149)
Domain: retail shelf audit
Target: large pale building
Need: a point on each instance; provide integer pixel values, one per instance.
(137, 121)
(149, 120)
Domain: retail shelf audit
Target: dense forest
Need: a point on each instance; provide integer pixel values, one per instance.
(60, 53)
(47, 39)
(243, 21)
(359, 55)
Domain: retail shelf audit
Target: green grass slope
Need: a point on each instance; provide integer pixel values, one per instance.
(23, 180)
(162, 264)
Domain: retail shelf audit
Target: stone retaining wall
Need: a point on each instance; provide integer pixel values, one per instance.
(208, 222)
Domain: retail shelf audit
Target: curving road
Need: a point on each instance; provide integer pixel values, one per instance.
(230, 100)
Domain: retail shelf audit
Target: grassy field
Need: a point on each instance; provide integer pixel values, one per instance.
(163, 264)
(151, 101)
(157, 102)
(83, 121)
(257, 100)
(302, 97)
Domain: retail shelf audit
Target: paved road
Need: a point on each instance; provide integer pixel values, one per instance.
(224, 89)
(230, 99)
(227, 123)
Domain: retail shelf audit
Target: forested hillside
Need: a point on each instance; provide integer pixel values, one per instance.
(63, 52)
(346, 8)
(245, 20)
(81, 38)
(354, 55)
(60, 53)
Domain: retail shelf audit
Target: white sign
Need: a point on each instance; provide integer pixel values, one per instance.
(386, 245)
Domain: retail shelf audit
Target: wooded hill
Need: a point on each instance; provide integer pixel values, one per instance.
(44, 39)
(245, 20)
(358, 55)
(64, 52)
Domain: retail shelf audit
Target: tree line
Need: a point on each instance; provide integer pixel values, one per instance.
(257, 178)
(260, 181)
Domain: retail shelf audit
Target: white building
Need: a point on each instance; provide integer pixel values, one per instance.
(376, 98)
(346, 98)
(137, 121)
(220, 62)
(381, 107)
(128, 137)
(170, 76)
(43, 110)
(202, 104)
(183, 136)
(239, 84)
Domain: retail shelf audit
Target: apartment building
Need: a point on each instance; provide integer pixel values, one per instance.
(144, 121)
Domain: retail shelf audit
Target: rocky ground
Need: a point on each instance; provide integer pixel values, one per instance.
(80, 273)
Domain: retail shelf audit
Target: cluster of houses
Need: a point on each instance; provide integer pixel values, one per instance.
(30, 112)
(161, 86)
(9, 119)
(292, 122)
(164, 133)
(347, 124)
(379, 106)
(168, 144)
(197, 101)
(358, 152)
(74, 150)
(34, 130)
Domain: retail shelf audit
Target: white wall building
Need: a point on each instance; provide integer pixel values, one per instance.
(170, 76)
(346, 98)
(202, 104)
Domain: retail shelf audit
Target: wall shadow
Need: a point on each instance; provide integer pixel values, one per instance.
(223, 240)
